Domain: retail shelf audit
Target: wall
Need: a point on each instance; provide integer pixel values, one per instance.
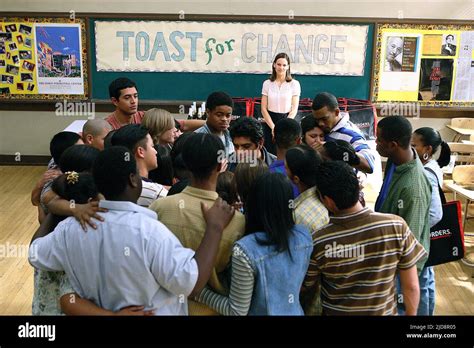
(28, 132)
(440, 9)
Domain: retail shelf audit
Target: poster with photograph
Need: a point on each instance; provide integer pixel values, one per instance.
(439, 44)
(436, 78)
(432, 65)
(449, 46)
(400, 53)
(59, 58)
(42, 59)
(13, 53)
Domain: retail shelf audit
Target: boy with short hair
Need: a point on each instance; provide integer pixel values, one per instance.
(131, 258)
(219, 107)
(137, 139)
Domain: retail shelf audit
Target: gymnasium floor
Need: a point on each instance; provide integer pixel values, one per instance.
(18, 222)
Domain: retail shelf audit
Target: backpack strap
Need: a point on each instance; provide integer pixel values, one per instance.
(441, 193)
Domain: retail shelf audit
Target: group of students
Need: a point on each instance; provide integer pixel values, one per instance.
(142, 214)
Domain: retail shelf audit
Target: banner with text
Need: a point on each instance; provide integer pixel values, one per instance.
(314, 49)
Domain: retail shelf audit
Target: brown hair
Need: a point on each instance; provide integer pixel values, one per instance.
(244, 176)
(225, 187)
(288, 77)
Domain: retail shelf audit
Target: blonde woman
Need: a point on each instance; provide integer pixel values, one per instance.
(161, 126)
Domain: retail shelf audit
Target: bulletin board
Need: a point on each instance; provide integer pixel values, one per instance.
(432, 65)
(43, 59)
(172, 85)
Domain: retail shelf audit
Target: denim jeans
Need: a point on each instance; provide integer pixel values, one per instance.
(427, 293)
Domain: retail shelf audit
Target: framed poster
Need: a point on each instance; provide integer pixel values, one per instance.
(429, 64)
(42, 59)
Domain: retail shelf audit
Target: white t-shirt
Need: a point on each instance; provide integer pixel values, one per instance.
(279, 98)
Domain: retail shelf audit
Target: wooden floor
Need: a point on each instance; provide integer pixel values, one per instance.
(18, 221)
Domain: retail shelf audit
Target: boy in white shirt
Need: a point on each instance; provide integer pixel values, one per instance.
(131, 258)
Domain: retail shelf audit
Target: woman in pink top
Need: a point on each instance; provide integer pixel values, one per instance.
(280, 97)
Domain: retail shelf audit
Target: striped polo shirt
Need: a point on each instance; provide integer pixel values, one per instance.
(151, 191)
(356, 257)
(348, 131)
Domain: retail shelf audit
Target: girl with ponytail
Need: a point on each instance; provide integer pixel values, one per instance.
(427, 142)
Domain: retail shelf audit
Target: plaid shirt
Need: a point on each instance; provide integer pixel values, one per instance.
(310, 212)
(409, 197)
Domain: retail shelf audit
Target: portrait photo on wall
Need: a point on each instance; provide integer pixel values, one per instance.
(400, 54)
(28, 66)
(25, 29)
(11, 28)
(26, 77)
(12, 46)
(436, 78)
(449, 45)
(7, 79)
(25, 54)
(12, 69)
(5, 37)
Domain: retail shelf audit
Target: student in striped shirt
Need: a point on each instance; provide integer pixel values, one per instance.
(137, 139)
(336, 125)
(357, 255)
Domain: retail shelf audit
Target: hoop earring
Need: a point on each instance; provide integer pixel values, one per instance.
(426, 156)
